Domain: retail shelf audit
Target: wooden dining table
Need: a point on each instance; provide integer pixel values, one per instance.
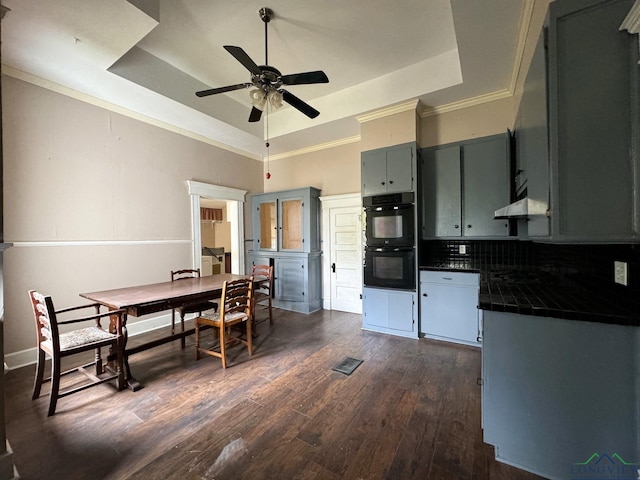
(156, 297)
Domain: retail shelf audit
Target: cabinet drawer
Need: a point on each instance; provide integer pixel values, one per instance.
(450, 278)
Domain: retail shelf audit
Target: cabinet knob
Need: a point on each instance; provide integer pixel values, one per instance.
(468, 226)
(390, 182)
(381, 183)
(425, 295)
(456, 226)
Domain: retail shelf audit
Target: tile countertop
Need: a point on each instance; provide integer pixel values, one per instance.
(546, 295)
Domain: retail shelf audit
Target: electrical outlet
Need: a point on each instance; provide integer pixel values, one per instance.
(620, 272)
(462, 249)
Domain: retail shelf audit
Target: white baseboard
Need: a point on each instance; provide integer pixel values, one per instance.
(29, 356)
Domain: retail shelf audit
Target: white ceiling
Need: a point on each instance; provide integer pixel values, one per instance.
(150, 56)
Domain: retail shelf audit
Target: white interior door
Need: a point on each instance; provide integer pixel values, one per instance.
(345, 255)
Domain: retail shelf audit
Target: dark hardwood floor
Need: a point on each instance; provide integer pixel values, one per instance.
(411, 410)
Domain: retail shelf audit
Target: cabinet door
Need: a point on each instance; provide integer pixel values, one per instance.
(532, 140)
(388, 309)
(449, 311)
(594, 121)
(485, 186)
(375, 308)
(400, 169)
(265, 223)
(290, 228)
(374, 172)
(441, 194)
(400, 311)
(289, 283)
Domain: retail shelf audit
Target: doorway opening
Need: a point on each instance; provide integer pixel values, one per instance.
(234, 199)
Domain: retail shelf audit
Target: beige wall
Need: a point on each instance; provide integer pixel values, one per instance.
(333, 170)
(95, 200)
(474, 122)
(388, 131)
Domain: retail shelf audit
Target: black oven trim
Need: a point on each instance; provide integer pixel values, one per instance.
(408, 282)
(401, 198)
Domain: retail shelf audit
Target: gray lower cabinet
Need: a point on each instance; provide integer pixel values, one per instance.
(297, 282)
(388, 170)
(389, 311)
(449, 306)
(461, 186)
(556, 391)
(590, 167)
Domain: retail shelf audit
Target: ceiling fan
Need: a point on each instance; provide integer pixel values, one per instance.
(268, 80)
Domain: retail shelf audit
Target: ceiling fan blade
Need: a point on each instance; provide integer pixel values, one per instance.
(305, 78)
(295, 102)
(244, 59)
(255, 114)
(230, 88)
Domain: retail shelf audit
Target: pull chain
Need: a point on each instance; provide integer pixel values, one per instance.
(266, 144)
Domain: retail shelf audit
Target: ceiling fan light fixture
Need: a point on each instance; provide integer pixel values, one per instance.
(258, 98)
(275, 99)
(268, 80)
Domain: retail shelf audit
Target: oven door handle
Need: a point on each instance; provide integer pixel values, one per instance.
(389, 249)
(386, 208)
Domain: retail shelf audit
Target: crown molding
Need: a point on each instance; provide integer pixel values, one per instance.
(469, 102)
(314, 148)
(521, 42)
(385, 112)
(83, 97)
(631, 22)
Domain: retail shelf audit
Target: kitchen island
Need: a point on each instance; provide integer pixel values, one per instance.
(560, 375)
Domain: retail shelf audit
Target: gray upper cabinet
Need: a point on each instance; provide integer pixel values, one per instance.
(388, 170)
(461, 186)
(441, 192)
(286, 221)
(485, 181)
(592, 80)
(532, 141)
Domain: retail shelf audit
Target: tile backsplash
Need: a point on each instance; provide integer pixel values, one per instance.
(594, 263)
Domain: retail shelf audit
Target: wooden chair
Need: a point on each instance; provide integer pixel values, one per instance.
(182, 310)
(59, 345)
(262, 290)
(235, 308)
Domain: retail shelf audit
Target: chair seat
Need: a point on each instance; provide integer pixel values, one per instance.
(228, 318)
(83, 336)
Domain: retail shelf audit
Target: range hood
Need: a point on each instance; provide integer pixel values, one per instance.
(523, 208)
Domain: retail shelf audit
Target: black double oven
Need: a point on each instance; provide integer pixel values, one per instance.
(389, 253)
